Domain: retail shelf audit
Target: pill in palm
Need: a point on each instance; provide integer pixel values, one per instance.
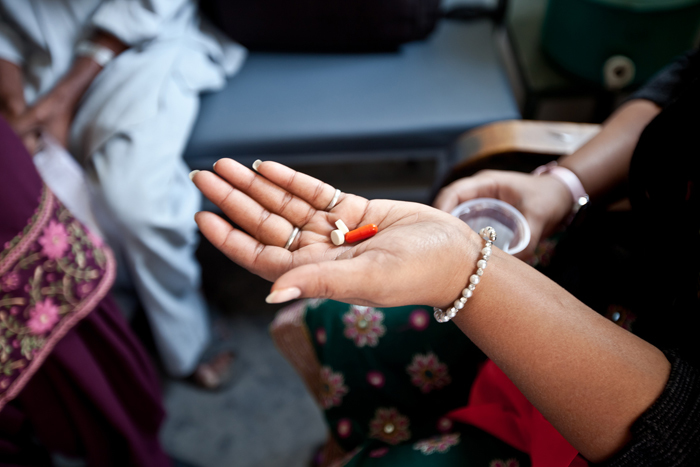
(361, 233)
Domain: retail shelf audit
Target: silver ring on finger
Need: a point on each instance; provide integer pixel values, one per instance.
(291, 238)
(331, 205)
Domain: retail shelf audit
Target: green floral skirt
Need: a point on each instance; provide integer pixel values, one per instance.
(388, 378)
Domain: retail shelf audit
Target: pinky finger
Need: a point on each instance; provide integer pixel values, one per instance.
(268, 262)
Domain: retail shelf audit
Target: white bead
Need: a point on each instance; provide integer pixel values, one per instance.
(474, 279)
(439, 314)
(467, 293)
(471, 287)
(486, 251)
(458, 305)
(481, 264)
(462, 299)
(479, 272)
(451, 313)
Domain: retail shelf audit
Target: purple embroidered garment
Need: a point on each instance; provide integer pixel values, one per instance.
(72, 375)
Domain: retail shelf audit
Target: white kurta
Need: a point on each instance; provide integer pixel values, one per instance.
(130, 132)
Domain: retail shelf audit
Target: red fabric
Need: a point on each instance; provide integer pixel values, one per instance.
(498, 407)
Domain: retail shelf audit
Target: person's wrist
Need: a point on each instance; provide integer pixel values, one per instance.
(461, 256)
(558, 200)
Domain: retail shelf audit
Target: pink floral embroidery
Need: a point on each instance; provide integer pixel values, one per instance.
(84, 289)
(379, 452)
(9, 281)
(54, 241)
(390, 426)
(321, 336)
(42, 317)
(428, 373)
(502, 463)
(419, 319)
(332, 388)
(444, 425)
(364, 325)
(439, 444)
(344, 427)
(375, 378)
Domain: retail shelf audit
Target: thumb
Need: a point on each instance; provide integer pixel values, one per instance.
(341, 280)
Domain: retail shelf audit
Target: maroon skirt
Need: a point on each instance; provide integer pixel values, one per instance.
(73, 378)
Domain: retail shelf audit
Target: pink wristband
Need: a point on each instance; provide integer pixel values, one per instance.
(578, 193)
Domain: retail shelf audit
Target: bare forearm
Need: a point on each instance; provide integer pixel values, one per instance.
(603, 163)
(590, 378)
(84, 70)
(12, 101)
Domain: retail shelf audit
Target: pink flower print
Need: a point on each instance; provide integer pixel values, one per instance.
(50, 277)
(84, 289)
(419, 319)
(375, 378)
(9, 281)
(444, 425)
(428, 373)
(364, 325)
(54, 240)
(344, 428)
(15, 343)
(42, 317)
(439, 444)
(502, 463)
(14, 311)
(321, 336)
(390, 426)
(377, 453)
(332, 388)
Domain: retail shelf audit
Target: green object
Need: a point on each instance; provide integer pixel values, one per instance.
(389, 377)
(618, 43)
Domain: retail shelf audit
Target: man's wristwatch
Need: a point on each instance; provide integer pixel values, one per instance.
(578, 194)
(98, 53)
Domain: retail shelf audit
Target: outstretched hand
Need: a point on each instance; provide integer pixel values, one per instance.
(418, 255)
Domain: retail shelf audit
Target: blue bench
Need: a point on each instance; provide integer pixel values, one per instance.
(347, 110)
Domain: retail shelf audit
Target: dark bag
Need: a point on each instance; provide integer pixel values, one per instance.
(324, 25)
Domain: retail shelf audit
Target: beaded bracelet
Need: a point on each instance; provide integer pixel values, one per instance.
(442, 316)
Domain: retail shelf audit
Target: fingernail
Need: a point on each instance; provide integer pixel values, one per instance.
(214, 166)
(193, 173)
(283, 295)
(256, 164)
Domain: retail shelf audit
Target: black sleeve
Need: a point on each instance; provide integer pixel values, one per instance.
(664, 87)
(668, 433)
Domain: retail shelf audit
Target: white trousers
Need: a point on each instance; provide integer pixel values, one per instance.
(130, 132)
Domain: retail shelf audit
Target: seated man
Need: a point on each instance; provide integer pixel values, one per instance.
(118, 83)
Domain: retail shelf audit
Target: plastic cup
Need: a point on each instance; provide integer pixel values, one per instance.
(512, 230)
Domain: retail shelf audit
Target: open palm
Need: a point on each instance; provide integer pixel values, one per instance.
(418, 255)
